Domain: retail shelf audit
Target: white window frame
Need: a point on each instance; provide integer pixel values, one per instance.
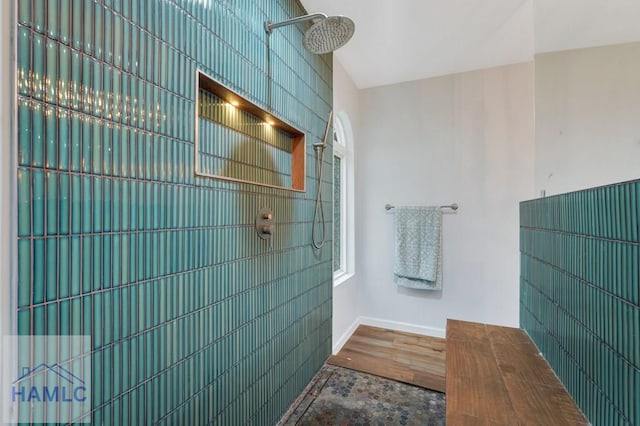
(343, 148)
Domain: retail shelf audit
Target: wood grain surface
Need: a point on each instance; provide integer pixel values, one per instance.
(496, 376)
(405, 357)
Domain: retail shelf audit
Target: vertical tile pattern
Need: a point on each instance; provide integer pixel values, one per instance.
(579, 295)
(193, 318)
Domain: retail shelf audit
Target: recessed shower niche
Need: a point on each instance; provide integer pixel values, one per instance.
(237, 140)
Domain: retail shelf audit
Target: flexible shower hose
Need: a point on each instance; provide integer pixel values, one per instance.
(319, 208)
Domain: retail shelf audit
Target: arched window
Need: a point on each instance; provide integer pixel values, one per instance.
(343, 234)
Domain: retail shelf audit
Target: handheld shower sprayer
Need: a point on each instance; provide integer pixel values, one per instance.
(322, 145)
(318, 211)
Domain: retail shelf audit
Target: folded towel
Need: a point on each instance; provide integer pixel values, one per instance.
(418, 248)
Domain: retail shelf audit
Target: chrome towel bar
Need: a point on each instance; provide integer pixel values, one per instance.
(453, 206)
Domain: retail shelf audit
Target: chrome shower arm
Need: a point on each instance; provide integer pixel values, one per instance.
(269, 26)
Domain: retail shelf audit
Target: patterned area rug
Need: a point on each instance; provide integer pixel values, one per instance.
(339, 396)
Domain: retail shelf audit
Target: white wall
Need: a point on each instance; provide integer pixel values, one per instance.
(587, 117)
(345, 296)
(7, 176)
(465, 138)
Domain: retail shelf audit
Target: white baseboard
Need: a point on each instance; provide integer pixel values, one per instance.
(403, 326)
(390, 325)
(345, 336)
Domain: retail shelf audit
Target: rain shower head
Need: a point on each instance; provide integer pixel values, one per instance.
(326, 35)
(329, 34)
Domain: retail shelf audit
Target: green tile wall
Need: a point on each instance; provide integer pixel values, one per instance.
(194, 319)
(579, 295)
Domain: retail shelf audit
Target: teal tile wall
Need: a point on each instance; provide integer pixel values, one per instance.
(193, 318)
(579, 295)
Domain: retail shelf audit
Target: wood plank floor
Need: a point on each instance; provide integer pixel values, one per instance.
(495, 376)
(405, 357)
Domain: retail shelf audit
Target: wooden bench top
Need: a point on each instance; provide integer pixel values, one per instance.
(496, 376)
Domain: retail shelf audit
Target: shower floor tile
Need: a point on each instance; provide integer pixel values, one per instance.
(340, 396)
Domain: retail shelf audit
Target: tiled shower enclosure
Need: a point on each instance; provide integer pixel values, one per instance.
(193, 318)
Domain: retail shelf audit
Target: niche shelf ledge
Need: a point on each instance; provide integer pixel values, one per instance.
(238, 141)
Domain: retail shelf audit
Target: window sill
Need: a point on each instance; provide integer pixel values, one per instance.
(341, 277)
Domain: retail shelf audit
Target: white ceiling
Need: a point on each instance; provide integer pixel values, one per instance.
(404, 40)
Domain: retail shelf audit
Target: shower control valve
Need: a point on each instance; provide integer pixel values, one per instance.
(265, 223)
